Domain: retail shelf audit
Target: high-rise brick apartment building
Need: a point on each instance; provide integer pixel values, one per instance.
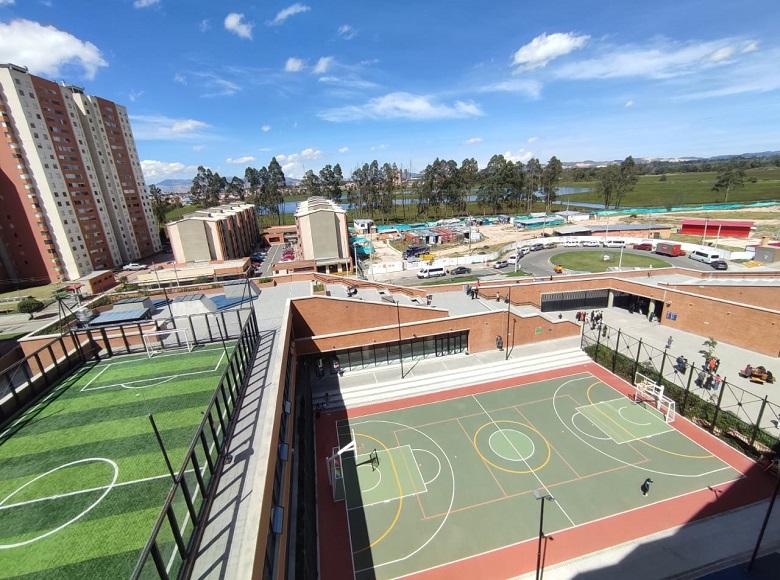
(72, 195)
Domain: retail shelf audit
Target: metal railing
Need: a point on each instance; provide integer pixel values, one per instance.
(176, 534)
(746, 421)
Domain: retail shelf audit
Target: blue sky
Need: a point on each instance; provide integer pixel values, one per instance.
(231, 83)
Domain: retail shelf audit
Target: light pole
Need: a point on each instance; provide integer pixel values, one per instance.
(542, 496)
(400, 346)
(508, 306)
(620, 263)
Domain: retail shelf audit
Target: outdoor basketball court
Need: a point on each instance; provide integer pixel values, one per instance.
(82, 478)
(432, 482)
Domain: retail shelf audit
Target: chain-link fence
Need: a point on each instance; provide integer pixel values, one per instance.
(745, 420)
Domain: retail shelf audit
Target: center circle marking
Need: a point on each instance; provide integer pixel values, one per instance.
(511, 445)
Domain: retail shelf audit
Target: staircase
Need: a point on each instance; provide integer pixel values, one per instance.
(365, 394)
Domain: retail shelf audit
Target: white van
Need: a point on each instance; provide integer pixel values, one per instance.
(614, 243)
(706, 256)
(571, 244)
(428, 272)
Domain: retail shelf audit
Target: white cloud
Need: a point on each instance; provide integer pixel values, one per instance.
(401, 105)
(216, 86)
(349, 82)
(750, 46)
(546, 48)
(323, 64)
(380, 147)
(293, 65)
(7, 2)
(722, 54)
(473, 141)
(162, 128)
(204, 25)
(180, 78)
(240, 160)
(292, 164)
(145, 3)
(528, 87)
(285, 13)
(629, 103)
(265, 128)
(198, 147)
(47, 50)
(235, 23)
(662, 59)
(134, 95)
(155, 171)
(520, 155)
(343, 149)
(533, 139)
(346, 32)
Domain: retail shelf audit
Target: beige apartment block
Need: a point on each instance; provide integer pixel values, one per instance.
(225, 232)
(72, 196)
(323, 235)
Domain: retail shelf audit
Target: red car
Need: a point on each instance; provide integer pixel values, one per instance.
(644, 246)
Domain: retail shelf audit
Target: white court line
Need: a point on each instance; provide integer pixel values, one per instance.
(438, 461)
(385, 501)
(141, 357)
(627, 420)
(564, 529)
(624, 441)
(160, 380)
(100, 372)
(395, 497)
(443, 521)
(574, 423)
(81, 491)
(641, 468)
(536, 475)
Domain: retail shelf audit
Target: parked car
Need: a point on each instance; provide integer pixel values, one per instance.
(460, 270)
(591, 244)
(550, 245)
(132, 266)
(500, 264)
(571, 244)
(719, 265)
(523, 250)
(513, 259)
(647, 246)
(536, 247)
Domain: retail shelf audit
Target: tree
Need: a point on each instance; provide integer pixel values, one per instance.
(533, 181)
(608, 184)
(389, 181)
(627, 180)
(492, 187)
(160, 205)
(275, 186)
(199, 187)
(332, 181)
(551, 177)
(29, 305)
(236, 187)
(311, 184)
(729, 179)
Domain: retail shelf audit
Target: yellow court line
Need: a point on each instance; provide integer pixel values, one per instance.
(686, 455)
(400, 493)
(520, 471)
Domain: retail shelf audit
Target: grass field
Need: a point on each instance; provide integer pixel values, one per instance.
(594, 261)
(455, 477)
(688, 188)
(82, 479)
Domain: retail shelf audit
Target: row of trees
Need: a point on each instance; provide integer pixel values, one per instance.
(328, 183)
(266, 187)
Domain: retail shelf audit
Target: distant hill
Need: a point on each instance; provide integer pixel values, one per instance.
(174, 185)
(590, 163)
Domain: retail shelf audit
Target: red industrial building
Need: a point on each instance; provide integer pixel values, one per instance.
(717, 228)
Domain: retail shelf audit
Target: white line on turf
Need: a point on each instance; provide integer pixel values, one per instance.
(536, 475)
(75, 518)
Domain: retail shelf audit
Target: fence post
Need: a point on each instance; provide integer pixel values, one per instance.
(663, 364)
(636, 360)
(106, 342)
(598, 342)
(756, 427)
(717, 407)
(615, 352)
(687, 390)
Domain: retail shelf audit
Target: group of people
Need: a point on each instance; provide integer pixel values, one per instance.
(593, 317)
(708, 377)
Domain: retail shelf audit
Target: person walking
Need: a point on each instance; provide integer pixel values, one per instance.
(645, 487)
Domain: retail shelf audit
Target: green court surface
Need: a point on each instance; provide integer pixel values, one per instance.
(82, 479)
(455, 478)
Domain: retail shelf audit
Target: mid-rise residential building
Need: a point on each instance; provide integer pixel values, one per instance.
(72, 195)
(224, 232)
(323, 235)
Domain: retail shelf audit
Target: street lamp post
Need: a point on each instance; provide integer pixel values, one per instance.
(620, 263)
(400, 346)
(543, 496)
(508, 307)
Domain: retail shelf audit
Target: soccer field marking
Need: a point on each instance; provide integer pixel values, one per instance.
(574, 423)
(610, 404)
(77, 517)
(160, 380)
(536, 475)
(707, 455)
(438, 461)
(145, 359)
(503, 432)
(646, 469)
(441, 524)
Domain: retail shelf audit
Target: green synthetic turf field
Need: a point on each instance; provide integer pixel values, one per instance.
(455, 478)
(82, 479)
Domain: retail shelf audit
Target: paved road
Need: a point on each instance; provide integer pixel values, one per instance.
(538, 263)
(273, 256)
